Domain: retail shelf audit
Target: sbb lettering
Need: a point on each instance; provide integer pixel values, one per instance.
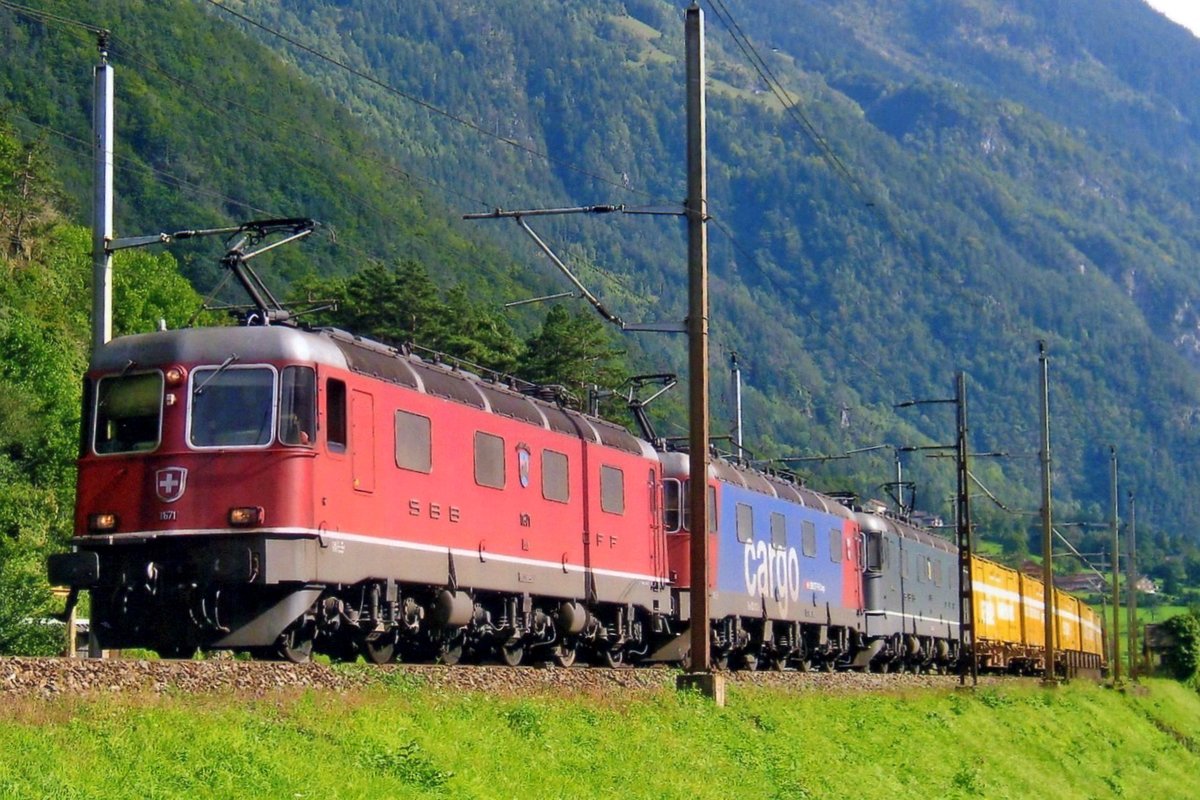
(436, 511)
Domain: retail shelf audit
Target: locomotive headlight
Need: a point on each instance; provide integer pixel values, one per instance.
(246, 516)
(175, 376)
(102, 523)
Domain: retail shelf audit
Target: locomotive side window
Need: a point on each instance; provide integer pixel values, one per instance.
(489, 460)
(298, 406)
(414, 442)
(778, 531)
(745, 523)
(835, 545)
(612, 490)
(555, 477)
(129, 413)
(672, 511)
(335, 415)
(808, 539)
(232, 407)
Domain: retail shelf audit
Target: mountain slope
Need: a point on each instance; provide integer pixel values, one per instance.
(1007, 171)
(1019, 171)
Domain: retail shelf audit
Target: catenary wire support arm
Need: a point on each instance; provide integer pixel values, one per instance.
(519, 217)
(591, 298)
(543, 299)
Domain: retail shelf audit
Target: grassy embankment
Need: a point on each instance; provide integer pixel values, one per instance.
(403, 740)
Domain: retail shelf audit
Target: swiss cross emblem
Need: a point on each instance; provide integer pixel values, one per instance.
(169, 483)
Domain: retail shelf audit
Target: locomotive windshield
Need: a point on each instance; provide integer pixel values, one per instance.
(129, 413)
(232, 407)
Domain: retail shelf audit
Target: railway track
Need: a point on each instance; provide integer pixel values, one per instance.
(57, 677)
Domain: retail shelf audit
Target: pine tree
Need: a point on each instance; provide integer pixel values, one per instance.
(573, 350)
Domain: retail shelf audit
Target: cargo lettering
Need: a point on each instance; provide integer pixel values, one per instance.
(772, 572)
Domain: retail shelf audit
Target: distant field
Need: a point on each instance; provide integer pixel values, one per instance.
(406, 739)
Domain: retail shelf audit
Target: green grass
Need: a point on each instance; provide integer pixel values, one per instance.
(403, 740)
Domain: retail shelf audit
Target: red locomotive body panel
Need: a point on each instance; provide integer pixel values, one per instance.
(177, 489)
(507, 519)
(852, 595)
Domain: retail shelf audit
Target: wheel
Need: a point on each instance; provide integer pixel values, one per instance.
(612, 658)
(450, 650)
(511, 652)
(295, 645)
(564, 655)
(380, 650)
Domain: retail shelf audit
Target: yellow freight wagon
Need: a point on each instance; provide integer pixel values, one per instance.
(1009, 619)
(997, 612)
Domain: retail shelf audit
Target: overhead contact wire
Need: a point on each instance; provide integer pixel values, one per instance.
(131, 53)
(46, 16)
(425, 104)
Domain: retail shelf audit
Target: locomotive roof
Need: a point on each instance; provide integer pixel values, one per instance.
(192, 345)
(677, 462)
(342, 350)
(878, 522)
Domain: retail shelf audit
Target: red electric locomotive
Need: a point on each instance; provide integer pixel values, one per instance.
(270, 488)
(274, 489)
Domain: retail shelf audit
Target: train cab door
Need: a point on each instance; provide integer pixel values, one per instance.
(362, 440)
(658, 543)
(872, 564)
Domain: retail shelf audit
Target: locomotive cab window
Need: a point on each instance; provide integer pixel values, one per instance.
(672, 505)
(745, 523)
(556, 485)
(414, 442)
(335, 415)
(232, 406)
(873, 561)
(686, 507)
(129, 413)
(298, 406)
(612, 490)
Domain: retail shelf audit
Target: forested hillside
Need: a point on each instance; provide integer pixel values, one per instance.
(1003, 171)
(44, 332)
